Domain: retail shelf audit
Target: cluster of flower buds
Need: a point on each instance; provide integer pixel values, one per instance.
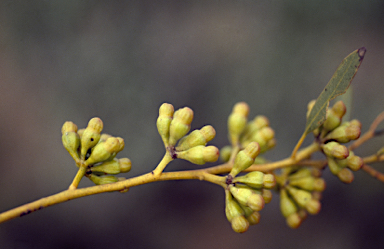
(173, 127)
(332, 134)
(247, 194)
(242, 132)
(300, 193)
(89, 148)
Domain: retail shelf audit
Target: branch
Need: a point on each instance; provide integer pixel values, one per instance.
(370, 133)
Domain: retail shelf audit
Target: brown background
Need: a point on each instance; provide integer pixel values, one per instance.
(119, 60)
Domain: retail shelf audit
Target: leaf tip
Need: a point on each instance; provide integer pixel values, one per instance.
(361, 52)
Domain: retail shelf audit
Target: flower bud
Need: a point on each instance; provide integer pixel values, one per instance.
(180, 125)
(287, 205)
(334, 167)
(252, 127)
(269, 181)
(263, 137)
(197, 137)
(294, 220)
(164, 121)
(70, 139)
(105, 179)
(114, 166)
(335, 150)
(104, 137)
(313, 206)
(253, 218)
(300, 173)
(200, 154)
(247, 197)
(300, 196)
(237, 121)
(245, 158)
(103, 151)
(334, 116)
(345, 175)
(253, 179)
(240, 224)
(90, 136)
(354, 162)
(232, 208)
(345, 133)
(225, 153)
(267, 195)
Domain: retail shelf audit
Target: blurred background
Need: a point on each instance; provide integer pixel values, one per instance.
(120, 60)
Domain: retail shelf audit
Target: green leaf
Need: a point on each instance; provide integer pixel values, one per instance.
(338, 85)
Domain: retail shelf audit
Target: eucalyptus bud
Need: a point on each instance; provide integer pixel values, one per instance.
(180, 125)
(163, 123)
(196, 137)
(245, 158)
(103, 151)
(70, 139)
(91, 135)
(200, 154)
(237, 121)
(114, 166)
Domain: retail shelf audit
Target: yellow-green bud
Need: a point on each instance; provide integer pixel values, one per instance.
(333, 165)
(232, 207)
(104, 137)
(300, 196)
(356, 123)
(248, 197)
(294, 220)
(200, 154)
(103, 151)
(180, 125)
(308, 183)
(80, 132)
(335, 150)
(256, 124)
(70, 139)
(253, 218)
(267, 195)
(245, 158)
(237, 121)
(225, 153)
(313, 206)
(105, 179)
(196, 137)
(253, 179)
(164, 121)
(345, 133)
(345, 175)
(91, 135)
(300, 173)
(262, 137)
(114, 166)
(287, 205)
(354, 162)
(240, 224)
(269, 181)
(334, 116)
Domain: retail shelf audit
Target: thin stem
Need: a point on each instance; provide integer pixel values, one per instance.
(167, 158)
(301, 155)
(299, 143)
(208, 174)
(369, 134)
(122, 185)
(372, 172)
(80, 174)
